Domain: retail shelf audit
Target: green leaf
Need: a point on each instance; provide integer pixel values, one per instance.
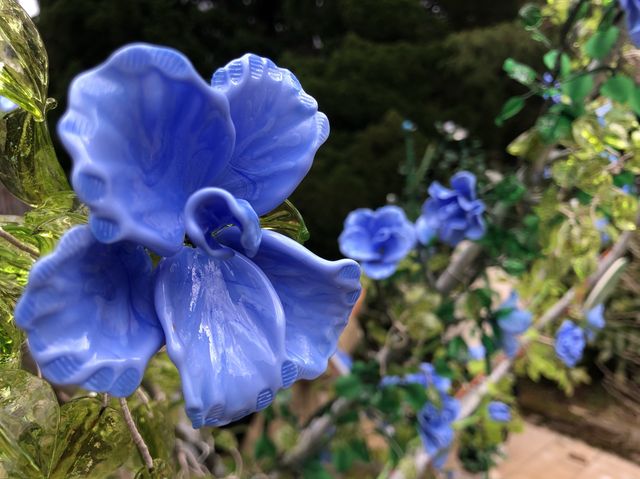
(286, 220)
(23, 60)
(601, 43)
(531, 15)
(151, 419)
(342, 458)
(29, 416)
(619, 88)
(28, 164)
(550, 58)
(265, 448)
(511, 108)
(92, 441)
(314, 470)
(348, 386)
(519, 71)
(416, 395)
(578, 88)
(553, 126)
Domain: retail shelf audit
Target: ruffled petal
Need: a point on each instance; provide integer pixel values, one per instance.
(379, 270)
(362, 218)
(89, 315)
(210, 209)
(225, 331)
(465, 184)
(317, 296)
(425, 232)
(278, 130)
(355, 242)
(144, 132)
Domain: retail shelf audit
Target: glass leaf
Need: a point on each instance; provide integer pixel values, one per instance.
(23, 60)
(29, 416)
(92, 441)
(28, 164)
(286, 220)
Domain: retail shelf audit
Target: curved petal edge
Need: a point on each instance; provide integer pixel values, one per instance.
(89, 316)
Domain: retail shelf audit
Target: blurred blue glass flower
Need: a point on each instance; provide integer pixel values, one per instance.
(477, 352)
(435, 428)
(454, 214)
(632, 11)
(602, 111)
(512, 322)
(377, 239)
(499, 411)
(158, 153)
(570, 343)
(601, 225)
(595, 321)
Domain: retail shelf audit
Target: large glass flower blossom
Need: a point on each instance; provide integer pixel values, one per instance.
(158, 153)
(453, 214)
(377, 239)
(435, 428)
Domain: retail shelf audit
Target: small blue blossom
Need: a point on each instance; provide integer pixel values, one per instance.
(477, 352)
(601, 225)
(632, 11)
(453, 213)
(158, 153)
(602, 111)
(377, 239)
(435, 428)
(595, 321)
(512, 322)
(499, 411)
(570, 343)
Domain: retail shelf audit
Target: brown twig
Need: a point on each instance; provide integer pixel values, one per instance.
(18, 244)
(135, 435)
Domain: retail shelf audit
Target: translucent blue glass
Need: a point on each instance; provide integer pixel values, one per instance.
(570, 343)
(452, 213)
(377, 239)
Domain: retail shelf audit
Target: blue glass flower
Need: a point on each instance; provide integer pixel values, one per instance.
(435, 428)
(595, 321)
(158, 153)
(632, 11)
(499, 411)
(455, 213)
(377, 239)
(570, 343)
(477, 352)
(512, 322)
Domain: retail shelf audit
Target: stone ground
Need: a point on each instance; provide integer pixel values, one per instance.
(540, 453)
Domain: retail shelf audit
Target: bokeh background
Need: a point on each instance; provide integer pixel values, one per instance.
(371, 64)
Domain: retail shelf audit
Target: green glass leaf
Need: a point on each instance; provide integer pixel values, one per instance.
(619, 88)
(286, 220)
(578, 88)
(531, 15)
(550, 58)
(28, 164)
(91, 441)
(29, 416)
(511, 108)
(553, 126)
(23, 60)
(519, 71)
(624, 209)
(601, 43)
